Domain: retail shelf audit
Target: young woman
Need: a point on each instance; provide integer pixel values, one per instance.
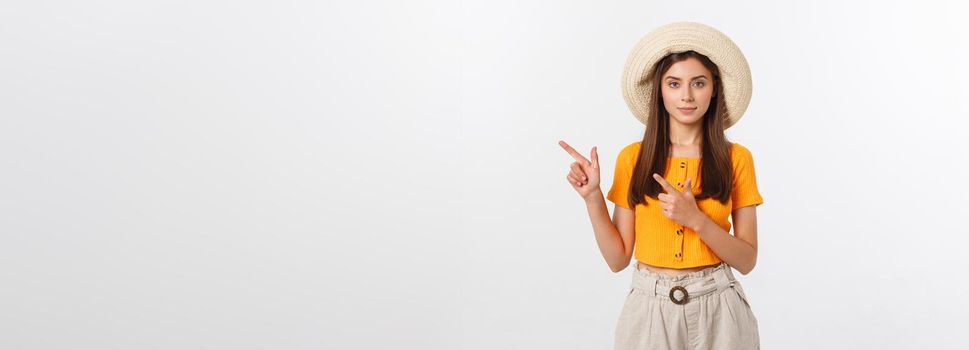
(674, 190)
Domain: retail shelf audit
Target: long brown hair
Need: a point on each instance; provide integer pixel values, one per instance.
(716, 169)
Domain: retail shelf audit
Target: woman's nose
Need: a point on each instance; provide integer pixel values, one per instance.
(687, 95)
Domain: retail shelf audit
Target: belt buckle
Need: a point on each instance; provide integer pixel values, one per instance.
(686, 296)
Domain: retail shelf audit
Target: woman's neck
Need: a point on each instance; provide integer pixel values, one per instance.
(686, 135)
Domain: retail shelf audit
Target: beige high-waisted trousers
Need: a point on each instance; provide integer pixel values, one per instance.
(712, 314)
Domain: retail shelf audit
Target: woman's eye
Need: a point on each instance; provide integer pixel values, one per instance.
(699, 84)
(672, 84)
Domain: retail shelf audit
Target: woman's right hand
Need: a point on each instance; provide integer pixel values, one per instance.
(584, 174)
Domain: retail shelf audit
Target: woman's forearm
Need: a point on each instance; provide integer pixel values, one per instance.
(607, 235)
(732, 250)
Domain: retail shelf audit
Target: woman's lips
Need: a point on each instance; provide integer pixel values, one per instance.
(687, 110)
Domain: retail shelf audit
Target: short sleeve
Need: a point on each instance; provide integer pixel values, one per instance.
(744, 191)
(619, 193)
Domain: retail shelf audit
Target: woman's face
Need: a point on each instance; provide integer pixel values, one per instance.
(687, 84)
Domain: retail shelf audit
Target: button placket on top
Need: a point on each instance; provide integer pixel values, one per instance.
(679, 230)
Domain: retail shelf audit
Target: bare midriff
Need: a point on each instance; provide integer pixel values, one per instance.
(673, 272)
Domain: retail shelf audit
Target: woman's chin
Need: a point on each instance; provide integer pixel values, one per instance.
(688, 120)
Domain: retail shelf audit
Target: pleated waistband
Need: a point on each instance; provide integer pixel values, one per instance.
(697, 283)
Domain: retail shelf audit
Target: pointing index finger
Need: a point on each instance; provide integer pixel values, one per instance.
(666, 185)
(576, 155)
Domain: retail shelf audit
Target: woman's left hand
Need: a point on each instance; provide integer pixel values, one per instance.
(679, 206)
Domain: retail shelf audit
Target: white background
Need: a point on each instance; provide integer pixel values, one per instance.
(370, 175)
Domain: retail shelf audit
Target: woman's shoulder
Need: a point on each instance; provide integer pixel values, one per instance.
(740, 153)
(736, 147)
(630, 150)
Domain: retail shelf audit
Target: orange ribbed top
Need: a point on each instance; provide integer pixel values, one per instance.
(660, 241)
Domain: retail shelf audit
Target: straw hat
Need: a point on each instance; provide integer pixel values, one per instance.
(679, 37)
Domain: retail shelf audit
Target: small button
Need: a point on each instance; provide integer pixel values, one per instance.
(678, 255)
(682, 165)
(679, 232)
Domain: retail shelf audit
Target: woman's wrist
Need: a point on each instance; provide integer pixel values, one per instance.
(593, 197)
(698, 222)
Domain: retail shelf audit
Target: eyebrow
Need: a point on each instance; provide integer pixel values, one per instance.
(698, 76)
